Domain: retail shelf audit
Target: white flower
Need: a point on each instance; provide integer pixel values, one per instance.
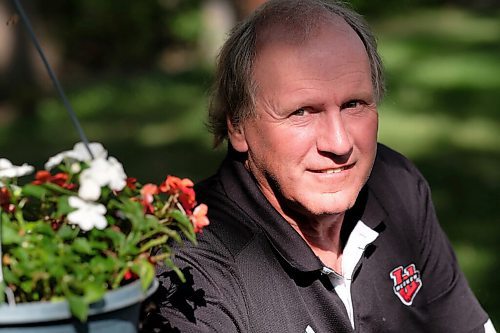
(79, 153)
(87, 215)
(101, 172)
(8, 170)
(89, 189)
(117, 176)
(75, 167)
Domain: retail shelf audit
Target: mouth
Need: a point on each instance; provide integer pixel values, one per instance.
(333, 170)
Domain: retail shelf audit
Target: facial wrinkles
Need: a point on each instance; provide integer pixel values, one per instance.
(268, 181)
(318, 93)
(267, 111)
(280, 151)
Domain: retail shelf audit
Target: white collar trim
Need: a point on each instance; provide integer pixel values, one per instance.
(360, 237)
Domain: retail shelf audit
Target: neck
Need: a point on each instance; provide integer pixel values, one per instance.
(322, 234)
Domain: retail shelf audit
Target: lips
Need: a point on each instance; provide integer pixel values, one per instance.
(329, 171)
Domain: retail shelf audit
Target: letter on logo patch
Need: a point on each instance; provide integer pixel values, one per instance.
(407, 283)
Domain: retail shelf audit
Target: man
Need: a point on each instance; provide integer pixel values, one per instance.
(314, 226)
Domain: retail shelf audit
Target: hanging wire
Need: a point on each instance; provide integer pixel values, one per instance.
(53, 77)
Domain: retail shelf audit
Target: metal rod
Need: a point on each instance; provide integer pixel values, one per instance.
(53, 77)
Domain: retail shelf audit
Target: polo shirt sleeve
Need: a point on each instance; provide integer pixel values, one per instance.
(452, 307)
(209, 300)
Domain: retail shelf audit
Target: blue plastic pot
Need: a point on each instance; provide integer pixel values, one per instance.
(118, 312)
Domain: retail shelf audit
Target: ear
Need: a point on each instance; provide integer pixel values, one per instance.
(237, 137)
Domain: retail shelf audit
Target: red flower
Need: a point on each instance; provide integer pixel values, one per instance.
(199, 218)
(147, 193)
(5, 200)
(183, 188)
(42, 176)
(129, 275)
(60, 179)
(131, 183)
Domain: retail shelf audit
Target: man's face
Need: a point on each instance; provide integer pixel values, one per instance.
(312, 143)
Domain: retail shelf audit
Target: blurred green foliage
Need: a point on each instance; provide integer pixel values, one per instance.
(106, 35)
(442, 109)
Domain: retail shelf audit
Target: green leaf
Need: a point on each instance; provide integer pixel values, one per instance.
(103, 264)
(98, 245)
(170, 264)
(2, 293)
(63, 207)
(78, 307)
(82, 245)
(146, 272)
(10, 277)
(185, 225)
(41, 228)
(66, 232)
(57, 270)
(58, 189)
(93, 292)
(171, 233)
(129, 248)
(154, 242)
(180, 217)
(27, 286)
(36, 191)
(20, 253)
(149, 222)
(10, 234)
(133, 210)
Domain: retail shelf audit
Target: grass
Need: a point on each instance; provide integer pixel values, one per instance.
(442, 111)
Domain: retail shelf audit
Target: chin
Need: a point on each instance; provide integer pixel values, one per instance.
(332, 204)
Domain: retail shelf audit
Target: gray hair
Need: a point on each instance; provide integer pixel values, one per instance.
(233, 94)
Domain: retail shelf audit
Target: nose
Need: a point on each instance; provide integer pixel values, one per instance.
(333, 135)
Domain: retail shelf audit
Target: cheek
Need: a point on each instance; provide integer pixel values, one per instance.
(364, 133)
(292, 153)
(279, 153)
(283, 143)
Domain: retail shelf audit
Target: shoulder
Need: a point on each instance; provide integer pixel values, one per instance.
(396, 180)
(200, 301)
(390, 164)
(403, 192)
(230, 228)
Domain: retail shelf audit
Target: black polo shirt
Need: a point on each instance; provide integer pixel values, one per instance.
(252, 272)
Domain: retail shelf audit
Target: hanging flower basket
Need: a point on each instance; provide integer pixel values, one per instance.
(82, 239)
(117, 312)
(79, 242)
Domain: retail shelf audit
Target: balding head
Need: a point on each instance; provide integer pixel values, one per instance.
(292, 21)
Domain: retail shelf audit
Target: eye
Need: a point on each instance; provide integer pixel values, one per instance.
(299, 112)
(351, 104)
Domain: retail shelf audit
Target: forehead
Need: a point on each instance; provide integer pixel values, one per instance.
(327, 50)
(329, 31)
(294, 29)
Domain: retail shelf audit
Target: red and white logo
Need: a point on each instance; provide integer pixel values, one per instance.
(407, 283)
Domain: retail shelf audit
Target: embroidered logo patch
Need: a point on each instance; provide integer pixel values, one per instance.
(407, 283)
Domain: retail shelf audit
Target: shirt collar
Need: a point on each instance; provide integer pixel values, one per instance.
(242, 188)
